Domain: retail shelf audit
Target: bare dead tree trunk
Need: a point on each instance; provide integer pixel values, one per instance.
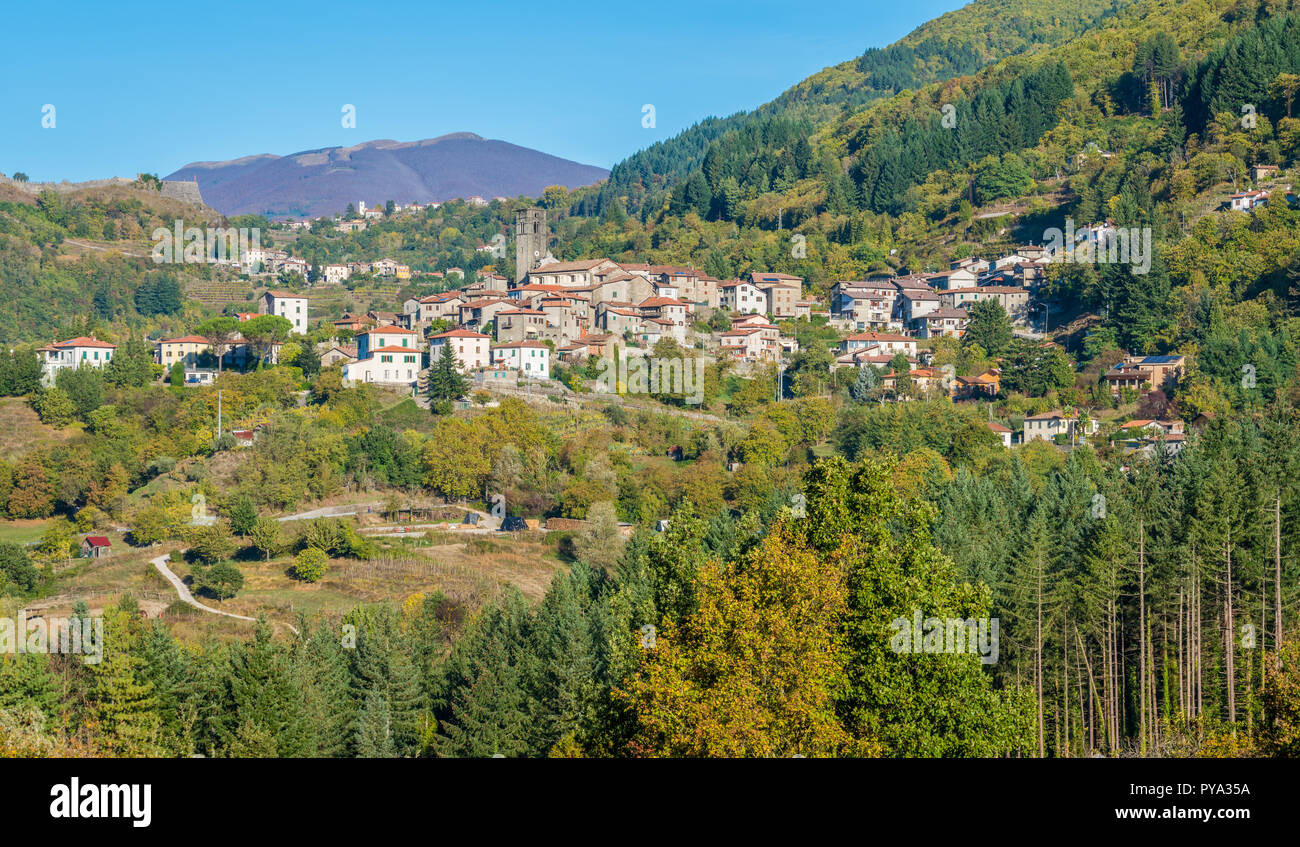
(1065, 685)
(1197, 633)
(1229, 640)
(1277, 563)
(1038, 656)
(1092, 715)
(1142, 640)
(1182, 671)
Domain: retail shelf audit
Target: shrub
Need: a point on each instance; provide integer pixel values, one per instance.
(310, 565)
(223, 580)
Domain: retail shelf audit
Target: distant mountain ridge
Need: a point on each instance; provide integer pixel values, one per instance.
(318, 182)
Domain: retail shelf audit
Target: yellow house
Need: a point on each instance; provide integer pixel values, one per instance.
(185, 349)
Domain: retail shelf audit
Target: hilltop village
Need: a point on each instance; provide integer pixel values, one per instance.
(507, 334)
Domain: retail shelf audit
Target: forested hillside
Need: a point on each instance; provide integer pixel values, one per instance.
(956, 44)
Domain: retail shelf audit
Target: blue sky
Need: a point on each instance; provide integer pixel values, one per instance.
(151, 87)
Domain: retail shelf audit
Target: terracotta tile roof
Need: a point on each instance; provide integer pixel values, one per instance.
(82, 341)
(662, 301)
(877, 336)
(389, 330)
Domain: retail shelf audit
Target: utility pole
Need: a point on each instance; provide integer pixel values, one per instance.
(218, 413)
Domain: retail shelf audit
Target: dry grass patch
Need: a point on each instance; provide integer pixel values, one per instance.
(21, 430)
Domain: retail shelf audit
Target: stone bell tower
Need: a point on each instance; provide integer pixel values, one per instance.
(531, 240)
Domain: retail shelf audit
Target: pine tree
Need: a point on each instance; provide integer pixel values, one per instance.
(123, 703)
(267, 688)
(564, 683)
(374, 731)
(480, 697)
(332, 705)
(446, 382)
(865, 384)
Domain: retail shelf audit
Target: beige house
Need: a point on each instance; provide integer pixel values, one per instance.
(336, 354)
(479, 314)
(570, 274)
(185, 349)
(336, 274)
(957, 277)
(913, 304)
(882, 342)
(567, 316)
(677, 312)
(866, 305)
(1014, 301)
(618, 286)
(752, 344)
(783, 292)
(1146, 373)
(423, 310)
(1051, 424)
(942, 323)
(781, 298)
(923, 379)
(520, 324)
(617, 318)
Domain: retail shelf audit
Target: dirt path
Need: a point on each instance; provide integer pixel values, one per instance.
(186, 597)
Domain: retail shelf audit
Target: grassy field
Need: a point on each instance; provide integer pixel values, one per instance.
(21, 532)
(469, 571)
(102, 582)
